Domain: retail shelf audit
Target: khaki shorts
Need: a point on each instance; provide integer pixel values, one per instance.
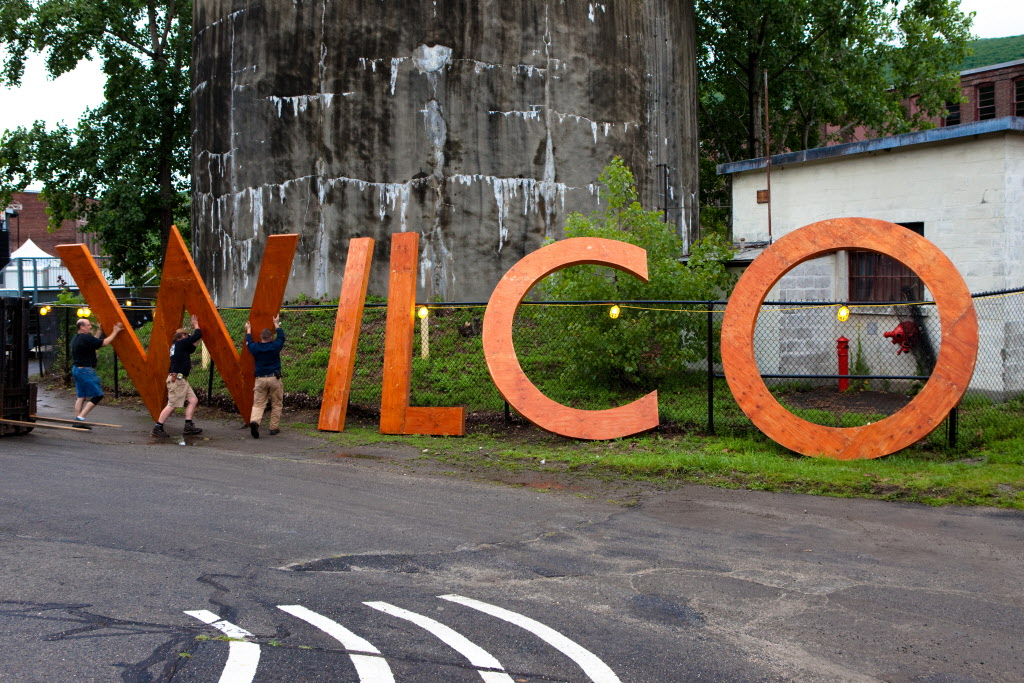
(178, 392)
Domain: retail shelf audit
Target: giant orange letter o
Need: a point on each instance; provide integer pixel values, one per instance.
(638, 416)
(945, 387)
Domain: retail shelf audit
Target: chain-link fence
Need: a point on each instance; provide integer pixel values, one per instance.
(595, 355)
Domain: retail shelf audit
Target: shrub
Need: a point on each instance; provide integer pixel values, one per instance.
(641, 346)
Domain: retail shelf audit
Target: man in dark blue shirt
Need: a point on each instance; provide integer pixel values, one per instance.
(179, 392)
(83, 356)
(267, 354)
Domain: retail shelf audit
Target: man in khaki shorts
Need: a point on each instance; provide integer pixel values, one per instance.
(267, 356)
(179, 393)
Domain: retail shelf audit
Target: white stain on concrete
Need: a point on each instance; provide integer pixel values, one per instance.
(431, 59)
(300, 103)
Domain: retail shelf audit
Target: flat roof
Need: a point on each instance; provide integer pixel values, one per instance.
(991, 67)
(963, 130)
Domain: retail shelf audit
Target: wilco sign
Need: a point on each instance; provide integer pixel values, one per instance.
(181, 288)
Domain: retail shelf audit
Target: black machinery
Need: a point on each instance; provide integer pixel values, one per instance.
(17, 395)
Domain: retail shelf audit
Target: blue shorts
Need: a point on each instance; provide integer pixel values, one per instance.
(87, 383)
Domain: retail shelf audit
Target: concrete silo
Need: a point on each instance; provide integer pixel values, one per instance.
(480, 125)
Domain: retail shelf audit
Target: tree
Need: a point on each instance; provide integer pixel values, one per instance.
(125, 168)
(640, 346)
(838, 62)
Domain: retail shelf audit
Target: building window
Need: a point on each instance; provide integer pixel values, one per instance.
(1018, 97)
(986, 101)
(953, 117)
(877, 277)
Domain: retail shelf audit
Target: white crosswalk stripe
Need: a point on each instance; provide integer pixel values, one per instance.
(370, 669)
(598, 671)
(243, 657)
(476, 655)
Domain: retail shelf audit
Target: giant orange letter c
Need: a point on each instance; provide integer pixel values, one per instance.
(638, 416)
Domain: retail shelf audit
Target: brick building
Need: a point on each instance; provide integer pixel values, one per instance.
(992, 92)
(31, 223)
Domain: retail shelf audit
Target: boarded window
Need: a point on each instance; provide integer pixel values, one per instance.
(877, 277)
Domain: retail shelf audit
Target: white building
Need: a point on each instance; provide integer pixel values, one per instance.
(962, 187)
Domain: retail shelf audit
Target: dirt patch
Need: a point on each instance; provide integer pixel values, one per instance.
(831, 400)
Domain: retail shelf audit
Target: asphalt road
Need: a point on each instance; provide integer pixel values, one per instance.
(230, 559)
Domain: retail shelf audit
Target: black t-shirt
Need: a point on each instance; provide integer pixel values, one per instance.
(181, 350)
(83, 349)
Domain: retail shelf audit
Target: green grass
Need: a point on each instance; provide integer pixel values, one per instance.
(991, 477)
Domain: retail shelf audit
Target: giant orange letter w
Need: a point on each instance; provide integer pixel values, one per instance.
(181, 288)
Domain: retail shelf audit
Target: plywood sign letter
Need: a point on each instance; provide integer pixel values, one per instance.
(347, 325)
(181, 287)
(638, 416)
(914, 421)
(396, 415)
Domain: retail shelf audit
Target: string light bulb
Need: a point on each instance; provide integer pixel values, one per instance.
(843, 314)
(613, 312)
(44, 310)
(422, 313)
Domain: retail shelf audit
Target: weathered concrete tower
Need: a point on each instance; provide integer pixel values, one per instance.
(478, 124)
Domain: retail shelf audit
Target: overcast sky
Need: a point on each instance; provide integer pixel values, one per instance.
(67, 97)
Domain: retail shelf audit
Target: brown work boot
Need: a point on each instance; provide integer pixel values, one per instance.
(191, 429)
(158, 430)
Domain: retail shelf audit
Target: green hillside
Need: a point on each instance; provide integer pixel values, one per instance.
(988, 51)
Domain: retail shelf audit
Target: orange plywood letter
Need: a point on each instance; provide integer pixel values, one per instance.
(508, 375)
(181, 288)
(346, 335)
(396, 416)
(949, 378)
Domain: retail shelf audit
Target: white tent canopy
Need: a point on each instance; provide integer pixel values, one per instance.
(32, 268)
(30, 250)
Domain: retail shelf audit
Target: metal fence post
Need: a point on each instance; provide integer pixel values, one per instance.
(711, 367)
(67, 342)
(117, 386)
(39, 339)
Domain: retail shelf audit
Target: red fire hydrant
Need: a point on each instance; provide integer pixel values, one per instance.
(843, 346)
(904, 335)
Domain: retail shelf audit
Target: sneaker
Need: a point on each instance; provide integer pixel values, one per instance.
(158, 430)
(254, 429)
(275, 431)
(191, 429)
(81, 424)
